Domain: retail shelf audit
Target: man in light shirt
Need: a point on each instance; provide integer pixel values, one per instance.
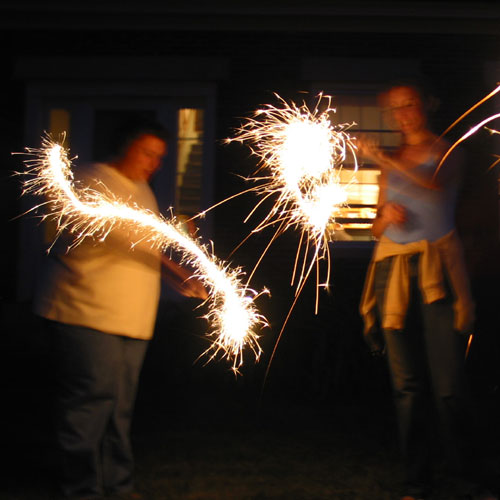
(100, 301)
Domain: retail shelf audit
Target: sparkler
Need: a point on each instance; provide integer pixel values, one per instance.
(464, 137)
(300, 157)
(473, 130)
(86, 212)
(300, 154)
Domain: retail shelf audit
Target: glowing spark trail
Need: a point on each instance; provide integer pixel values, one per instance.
(300, 154)
(472, 131)
(86, 212)
(464, 137)
(483, 100)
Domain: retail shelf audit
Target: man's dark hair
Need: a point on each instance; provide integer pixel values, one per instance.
(131, 130)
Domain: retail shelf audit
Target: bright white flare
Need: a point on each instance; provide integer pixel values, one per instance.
(86, 212)
(301, 154)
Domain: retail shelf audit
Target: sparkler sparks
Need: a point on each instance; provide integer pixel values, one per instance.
(300, 154)
(473, 130)
(86, 212)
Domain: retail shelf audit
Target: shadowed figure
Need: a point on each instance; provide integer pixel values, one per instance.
(417, 291)
(99, 301)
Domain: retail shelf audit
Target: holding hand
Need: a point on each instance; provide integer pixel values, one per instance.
(370, 149)
(181, 280)
(387, 214)
(392, 213)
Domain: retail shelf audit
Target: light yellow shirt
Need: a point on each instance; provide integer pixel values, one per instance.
(105, 285)
(442, 254)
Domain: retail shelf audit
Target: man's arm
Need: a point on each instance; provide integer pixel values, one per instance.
(181, 279)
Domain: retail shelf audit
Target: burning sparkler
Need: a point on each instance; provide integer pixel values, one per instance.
(300, 155)
(464, 137)
(473, 130)
(86, 212)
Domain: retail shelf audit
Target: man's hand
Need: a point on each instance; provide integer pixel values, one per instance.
(181, 280)
(193, 287)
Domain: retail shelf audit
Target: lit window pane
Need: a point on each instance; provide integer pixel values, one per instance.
(60, 124)
(59, 127)
(189, 162)
(370, 117)
(354, 221)
(349, 114)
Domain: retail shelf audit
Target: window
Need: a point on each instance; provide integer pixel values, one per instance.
(354, 84)
(189, 172)
(87, 114)
(181, 190)
(363, 112)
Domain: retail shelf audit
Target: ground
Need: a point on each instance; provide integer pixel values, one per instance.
(202, 434)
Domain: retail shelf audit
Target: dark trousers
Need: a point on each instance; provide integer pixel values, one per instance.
(97, 376)
(426, 361)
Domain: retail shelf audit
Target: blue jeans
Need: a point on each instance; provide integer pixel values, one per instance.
(426, 362)
(97, 377)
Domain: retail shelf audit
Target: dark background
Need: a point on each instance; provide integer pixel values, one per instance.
(321, 359)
